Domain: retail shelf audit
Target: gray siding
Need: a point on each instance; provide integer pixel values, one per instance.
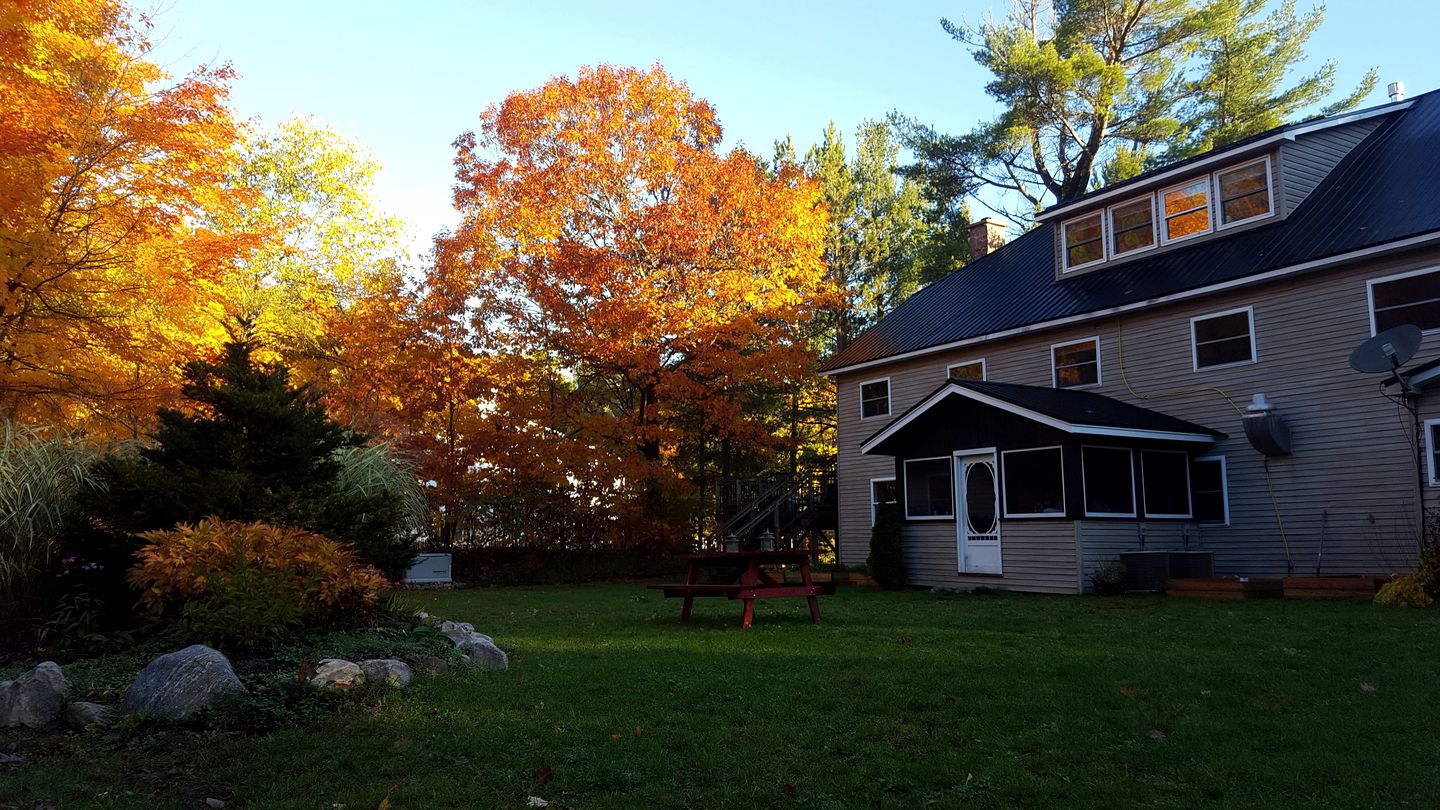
(1035, 556)
(1102, 541)
(1346, 497)
(1305, 161)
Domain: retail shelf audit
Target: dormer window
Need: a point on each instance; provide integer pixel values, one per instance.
(1244, 193)
(1084, 241)
(1187, 210)
(1132, 226)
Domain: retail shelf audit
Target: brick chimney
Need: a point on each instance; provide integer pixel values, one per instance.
(986, 236)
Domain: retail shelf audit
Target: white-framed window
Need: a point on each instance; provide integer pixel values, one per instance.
(882, 491)
(1165, 483)
(1033, 481)
(1210, 485)
(1108, 478)
(1244, 193)
(1432, 447)
(875, 398)
(968, 370)
(1185, 210)
(1411, 297)
(1075, 363)
(929, 489)
(1083, 241)
(1223, 339)
(1132, 226)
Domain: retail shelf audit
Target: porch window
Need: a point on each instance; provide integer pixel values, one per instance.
(882, 491)
(1132, 226)
(1165, 477)
(1084, 241)
(928, 488)
(875, 399)
(1212, 497)
(969, 370)
(1109, 479)
(1244, 192)
(1223, 339)
(1076, 363)
(1187, 210)
(1407, 298)
(1034, 482)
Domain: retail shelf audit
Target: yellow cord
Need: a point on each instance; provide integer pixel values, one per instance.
(1269, 484)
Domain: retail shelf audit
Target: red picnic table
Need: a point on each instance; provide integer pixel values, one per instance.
(741, 575)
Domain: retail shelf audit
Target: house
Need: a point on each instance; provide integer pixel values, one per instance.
(1163, 364)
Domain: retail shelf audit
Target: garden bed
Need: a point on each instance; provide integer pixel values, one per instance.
(1225, 588)
(1357, 587)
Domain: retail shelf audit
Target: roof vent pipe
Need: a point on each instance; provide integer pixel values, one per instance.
(1396, 91)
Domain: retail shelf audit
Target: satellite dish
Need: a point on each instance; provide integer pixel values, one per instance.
(1387, 351)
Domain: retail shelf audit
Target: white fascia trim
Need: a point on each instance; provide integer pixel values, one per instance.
(1259, 278)
(1034, 416)
(1222, 157)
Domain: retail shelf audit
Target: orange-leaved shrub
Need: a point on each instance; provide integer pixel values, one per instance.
(240, 584)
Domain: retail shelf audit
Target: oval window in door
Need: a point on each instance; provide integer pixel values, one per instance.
(980, 498)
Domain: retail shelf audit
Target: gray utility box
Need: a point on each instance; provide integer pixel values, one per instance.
(429, 569)
(1148, 570)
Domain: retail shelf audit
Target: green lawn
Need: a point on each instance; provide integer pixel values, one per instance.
(899, 700)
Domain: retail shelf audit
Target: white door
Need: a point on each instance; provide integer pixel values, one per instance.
(977, 495)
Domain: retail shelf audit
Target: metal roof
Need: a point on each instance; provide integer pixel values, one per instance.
(1083, 413)
(1385, 190)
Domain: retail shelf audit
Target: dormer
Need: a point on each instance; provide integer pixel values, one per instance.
(1248, 184)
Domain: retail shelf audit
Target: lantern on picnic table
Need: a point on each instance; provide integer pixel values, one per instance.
(767, 541)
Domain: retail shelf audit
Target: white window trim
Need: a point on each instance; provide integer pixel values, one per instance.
(905, 491)
(1160, 217)
(889, 399)
(873, 503)
(984, 371)
(1195, 343)
(1370, 292)
(1099, 365)
(1189, 513)
(1084, 485)
(1064, 497)
(1065, 265)
(1219, 218)
(1224, 488)
(1110, 227)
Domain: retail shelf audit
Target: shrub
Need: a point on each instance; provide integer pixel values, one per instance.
(41, 477)
(1406, 590)
(245, 583)
(887, 548)
(1109, 579)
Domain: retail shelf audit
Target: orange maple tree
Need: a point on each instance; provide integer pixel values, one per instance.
(106, 171)
(605, 237)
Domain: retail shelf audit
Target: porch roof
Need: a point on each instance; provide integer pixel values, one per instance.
(1077, 412)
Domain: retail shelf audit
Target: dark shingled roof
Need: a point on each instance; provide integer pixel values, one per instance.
(1075, 408)
(1387, 188)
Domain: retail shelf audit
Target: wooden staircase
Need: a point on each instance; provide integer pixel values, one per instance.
(799, 509)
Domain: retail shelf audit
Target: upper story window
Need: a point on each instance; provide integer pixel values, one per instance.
(968, 370)
(1076, 363)
(1244, 192)
(1132, 226)
(1084, 241)
(1187, 210)
(1412, 298)
(875, 399)
(1223, 339)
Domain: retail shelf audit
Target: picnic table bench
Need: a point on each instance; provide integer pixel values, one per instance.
(741, 575)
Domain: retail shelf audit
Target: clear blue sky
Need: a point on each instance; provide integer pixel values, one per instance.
(407, 77)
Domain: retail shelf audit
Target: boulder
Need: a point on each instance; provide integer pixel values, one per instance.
(80, 714)
(177, 685)
(386, 670)
(33, 700)
(461, 633)
(337, 673)
(432, 665)
(486, 654)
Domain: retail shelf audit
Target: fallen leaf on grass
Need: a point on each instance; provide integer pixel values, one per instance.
(217, 803)
(1367, 687)
(1127, 691)
(536, 801)
(614, 738)
(543, 774)
(402, 743)
(1155, 734)
(788, 788)
(639, 731)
